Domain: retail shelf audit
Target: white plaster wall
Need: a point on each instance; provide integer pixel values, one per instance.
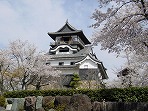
(66, 62)
(56, 62)
(89, 63)
(70, 52)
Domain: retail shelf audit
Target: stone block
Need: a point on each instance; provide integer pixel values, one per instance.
(79, 102)
(2, 109)
(48, 102)
(30, 103)
(39, 102)
(51, 110)
(17, 103)
(9, 107)
(40, 109)
(62, 100)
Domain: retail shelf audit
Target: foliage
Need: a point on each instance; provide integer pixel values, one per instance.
(124, 25)
(2, 101)
(49, 105)
(133, 73)
(21, 65)
(5, 62)
(75, 82)
(114, 94)
(125, 95)
(60, 107)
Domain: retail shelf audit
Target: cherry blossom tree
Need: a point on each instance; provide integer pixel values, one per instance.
(122, 24)
(22, 54)
(133, 73)
(140, 65)
(22, 65)
(42, 74)
(9, 75)
(5, 63)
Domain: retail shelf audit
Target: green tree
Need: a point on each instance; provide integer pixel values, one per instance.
(75, 82)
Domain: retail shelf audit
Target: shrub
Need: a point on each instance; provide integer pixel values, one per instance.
(114, 94)
(75, 82)
(2, 101)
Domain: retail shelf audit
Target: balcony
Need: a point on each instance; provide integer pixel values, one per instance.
(72, 43)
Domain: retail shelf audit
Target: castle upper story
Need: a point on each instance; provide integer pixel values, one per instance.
(67, 40)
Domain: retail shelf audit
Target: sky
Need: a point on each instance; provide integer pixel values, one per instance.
(32, 19)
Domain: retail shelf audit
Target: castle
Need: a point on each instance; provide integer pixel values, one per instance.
(71, 53)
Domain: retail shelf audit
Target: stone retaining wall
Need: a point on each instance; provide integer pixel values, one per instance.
(70, 103)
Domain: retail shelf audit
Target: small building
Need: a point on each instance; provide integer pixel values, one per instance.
(126, 71)
(71, 53)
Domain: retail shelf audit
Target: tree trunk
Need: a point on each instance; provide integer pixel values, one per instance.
(2, 84)
(11, 84)
(38, 86)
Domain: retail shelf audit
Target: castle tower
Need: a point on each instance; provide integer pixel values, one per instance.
(71, 52)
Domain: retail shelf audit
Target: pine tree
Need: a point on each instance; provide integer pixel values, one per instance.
(75, 82)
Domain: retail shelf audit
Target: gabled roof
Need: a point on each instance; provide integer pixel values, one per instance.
(91, 57)
(80, 56)
(103, 71)
(100, 65)
(67, 30)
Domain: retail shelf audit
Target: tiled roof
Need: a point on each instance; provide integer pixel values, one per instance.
(82, 53)
(79, 56)
(67, 29)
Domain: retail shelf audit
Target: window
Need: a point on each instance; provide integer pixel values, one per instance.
(75, 38)
(86, 66)
(66, 39)
(58, 39)
(74, 52)
(61, 63)
(47, 63)
(66, 49)
(72, 63)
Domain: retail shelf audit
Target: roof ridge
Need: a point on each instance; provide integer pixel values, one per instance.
(68, 25)
(71, 26)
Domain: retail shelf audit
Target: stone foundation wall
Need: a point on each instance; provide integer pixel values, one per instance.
(70, 103)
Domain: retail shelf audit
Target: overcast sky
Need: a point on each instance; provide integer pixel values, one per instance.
(32, 19)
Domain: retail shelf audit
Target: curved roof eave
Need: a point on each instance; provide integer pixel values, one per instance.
(102, 71)
(71, 31)
(61, 46)
(100, 66)
(95, 60)
(69, 26)
(53, 35)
